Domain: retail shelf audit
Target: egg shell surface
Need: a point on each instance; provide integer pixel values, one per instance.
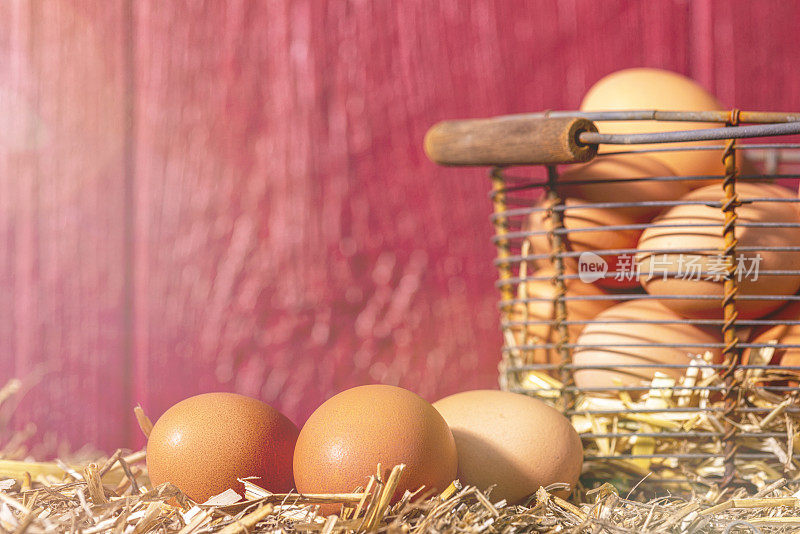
(784, 334)
(618, 179)
(579, 304)
(662, 90)
(668, 247)
(345, 439)
(204, 443)
(603, 343)
(587, 230)
(512, 441)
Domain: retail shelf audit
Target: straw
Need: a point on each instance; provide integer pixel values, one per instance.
(113, 495)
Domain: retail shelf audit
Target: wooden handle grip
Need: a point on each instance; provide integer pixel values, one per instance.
(509, 141)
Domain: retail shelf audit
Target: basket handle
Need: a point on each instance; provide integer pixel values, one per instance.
(512, 140)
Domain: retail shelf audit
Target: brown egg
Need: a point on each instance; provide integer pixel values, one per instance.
(783, 334)
(579, 305)
(665, 236)
(587, 231)
(619, 174)
(204, 443)
(603, 343)
(345, 439)
(512, 441)
(647, 89)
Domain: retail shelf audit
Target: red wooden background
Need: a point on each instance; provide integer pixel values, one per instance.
(232, 195)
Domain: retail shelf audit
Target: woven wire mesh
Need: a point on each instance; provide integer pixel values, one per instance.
(726, 414)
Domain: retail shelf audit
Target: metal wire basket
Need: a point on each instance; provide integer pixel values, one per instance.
(722, 415)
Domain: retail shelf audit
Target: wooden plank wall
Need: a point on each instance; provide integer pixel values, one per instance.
(63, 248)
(232, 195)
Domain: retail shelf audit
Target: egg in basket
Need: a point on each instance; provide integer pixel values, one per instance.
(649, 267)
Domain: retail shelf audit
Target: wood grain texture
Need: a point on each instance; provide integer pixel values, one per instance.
(510, 140)
(295, 240)
(299, 249)
(202, 196)
(61, 199)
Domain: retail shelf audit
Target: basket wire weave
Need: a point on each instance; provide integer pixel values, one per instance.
(748, 437)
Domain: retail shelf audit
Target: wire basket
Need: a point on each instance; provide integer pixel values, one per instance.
(675, 384)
